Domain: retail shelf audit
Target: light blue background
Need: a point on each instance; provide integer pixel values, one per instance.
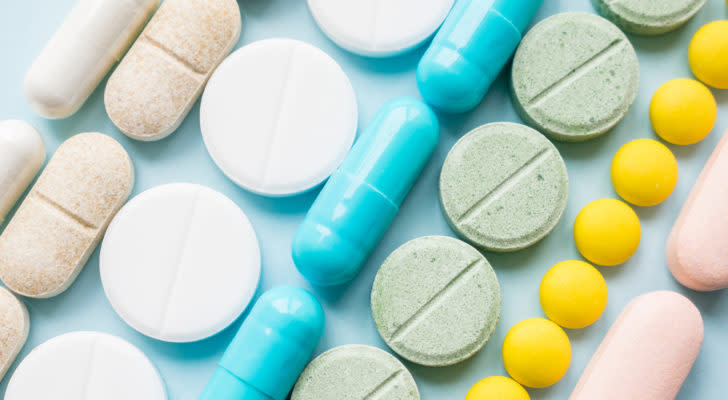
(26, 25)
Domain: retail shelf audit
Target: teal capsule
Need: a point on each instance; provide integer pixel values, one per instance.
(359, 201)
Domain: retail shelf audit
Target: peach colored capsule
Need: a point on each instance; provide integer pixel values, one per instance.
(697, 248)
(647, 353)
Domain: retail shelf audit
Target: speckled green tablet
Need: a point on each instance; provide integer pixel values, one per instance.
(648, 17)
(503, 187)
(575, 76)
(436, 301)
(355, 372)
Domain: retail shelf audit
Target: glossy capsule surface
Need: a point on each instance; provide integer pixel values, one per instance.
(359, 201)
(471, 48)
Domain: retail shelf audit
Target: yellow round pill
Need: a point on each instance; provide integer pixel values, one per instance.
(497, 388)
(644, 172)
(607, 232)
(683, 111)
(573, 294)
(536, 352)
(708, 54)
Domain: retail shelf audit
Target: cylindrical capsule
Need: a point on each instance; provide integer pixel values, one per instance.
(472, 46)
(92, 38)
(22, 152)
(363, 195)
(271, 349)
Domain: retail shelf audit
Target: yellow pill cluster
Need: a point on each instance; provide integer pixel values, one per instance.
(683, 111)
(573, 294)
(644, 172)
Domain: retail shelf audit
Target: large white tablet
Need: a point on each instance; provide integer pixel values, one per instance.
(278, 116)
(180, 262)
(379, 28)
(86, 365)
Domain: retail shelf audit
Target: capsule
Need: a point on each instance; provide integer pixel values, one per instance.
(94, 35)
(358, 203)
(271, 348)
(22, 153)
(472, 46)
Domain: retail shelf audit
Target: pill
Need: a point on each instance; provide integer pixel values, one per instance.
(503, 187)
(271, 349)
(86, 365)
(436, 301)
(607, 232)
(22, 153)
(362, 197)
(644, 172)
(575, 76)
(379, 29)
(683, 111)
(708, 54)
(160, 78)
(190, 272)
(58, 225)
(536, 352)
(647, 17)
(573, 294)
(497, 388)
(647, 353)
(697, 247)
(354, 372)
(278, 116)
(14, 328)
(94, 36)
(471, 48)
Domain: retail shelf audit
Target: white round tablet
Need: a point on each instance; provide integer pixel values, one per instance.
(278, 116)
(379, 28)
(180, 262)
(86, 365)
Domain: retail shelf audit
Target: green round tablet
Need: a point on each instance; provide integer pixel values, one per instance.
(503, 187)
(648, 17)
(436, 301)
(575, 76)
(355, 372)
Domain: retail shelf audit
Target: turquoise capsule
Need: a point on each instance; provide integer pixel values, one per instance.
(358, 203)
(271, 349)
(471, 48)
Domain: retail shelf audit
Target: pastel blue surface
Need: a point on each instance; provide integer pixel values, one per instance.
(474, 43)
(271, 348)
(359, 201)
(26, 25)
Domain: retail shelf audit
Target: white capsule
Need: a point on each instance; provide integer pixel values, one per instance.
(21, 155)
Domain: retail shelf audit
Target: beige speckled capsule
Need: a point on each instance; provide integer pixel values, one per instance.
(161, 77)
(14, 328)
(60, 222)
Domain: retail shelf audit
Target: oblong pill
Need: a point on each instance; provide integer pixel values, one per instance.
(575, 76)
(648, 17)
(190, 272)
(503, 186)
(271, 348)
(160, 78)
(647, 353)
(14, 328)
(94, 35)
(355, 372)
(471, 48)
(436, 301)
(361, 198)
(697, 248)
(278, 116)
(60, 222)
(86, 365)
(22, 153)
(379, 28)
